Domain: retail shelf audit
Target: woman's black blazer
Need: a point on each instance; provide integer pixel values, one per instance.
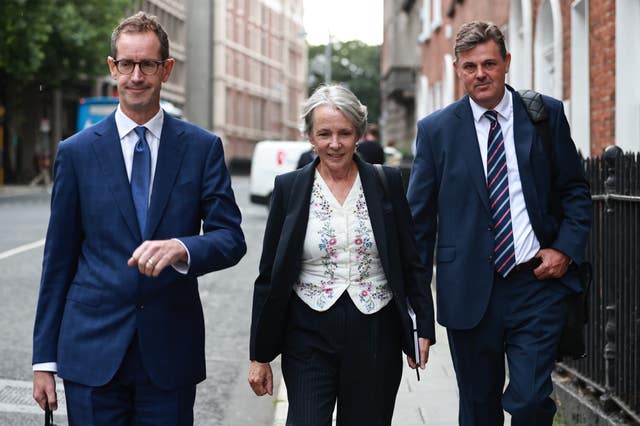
(283, 241)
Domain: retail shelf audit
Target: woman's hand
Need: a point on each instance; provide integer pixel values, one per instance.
(261, 378)
(424, 354)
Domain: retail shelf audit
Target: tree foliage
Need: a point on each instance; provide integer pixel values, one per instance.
(56, 40)
(47, 47)
(353, 64)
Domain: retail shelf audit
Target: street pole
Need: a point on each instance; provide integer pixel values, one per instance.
(327, 58)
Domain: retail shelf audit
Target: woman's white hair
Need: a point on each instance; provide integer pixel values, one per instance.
(339, 97)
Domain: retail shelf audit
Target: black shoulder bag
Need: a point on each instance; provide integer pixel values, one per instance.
(572, 341)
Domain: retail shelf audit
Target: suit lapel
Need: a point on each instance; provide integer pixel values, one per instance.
(170, 153)
(287, 264)
(299, 200)
(106, 145)
(467, 141)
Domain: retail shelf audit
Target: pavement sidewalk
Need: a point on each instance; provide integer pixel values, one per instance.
(431, 401)
(20, 191)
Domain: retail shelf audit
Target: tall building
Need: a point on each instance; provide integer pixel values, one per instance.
(246, 73)
(172, 16)
(400, 71)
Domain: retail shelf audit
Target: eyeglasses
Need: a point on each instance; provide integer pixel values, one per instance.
(147, 67)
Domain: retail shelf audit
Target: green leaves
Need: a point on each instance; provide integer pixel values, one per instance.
(56, 40)
(24, 30)
(354, 64)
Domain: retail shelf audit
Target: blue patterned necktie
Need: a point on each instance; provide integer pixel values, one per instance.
(498, 184)
(140, 177)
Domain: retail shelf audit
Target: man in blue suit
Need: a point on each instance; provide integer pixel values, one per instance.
(482, 188)
(141, 206)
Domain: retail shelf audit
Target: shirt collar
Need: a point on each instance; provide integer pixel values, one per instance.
(125, 124)
(504, 108)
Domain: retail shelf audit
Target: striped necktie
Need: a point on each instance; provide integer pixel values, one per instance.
(140, 177)
(504, 256)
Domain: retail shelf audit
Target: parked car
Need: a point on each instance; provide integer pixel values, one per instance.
(270, 159)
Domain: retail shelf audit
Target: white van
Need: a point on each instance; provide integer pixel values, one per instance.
(272, 158)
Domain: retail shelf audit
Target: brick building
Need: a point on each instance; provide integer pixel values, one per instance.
(579, 51)
(241, 67)
(246, 77)
(172, 15)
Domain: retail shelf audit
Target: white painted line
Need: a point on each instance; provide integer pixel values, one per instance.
(22, 249)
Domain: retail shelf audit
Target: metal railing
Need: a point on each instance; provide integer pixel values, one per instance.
(611, 369)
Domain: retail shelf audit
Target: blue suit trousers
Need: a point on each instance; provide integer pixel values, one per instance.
(523, 321)
(129, 399)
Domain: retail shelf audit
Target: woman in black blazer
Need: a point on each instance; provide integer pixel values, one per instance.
(338, 273)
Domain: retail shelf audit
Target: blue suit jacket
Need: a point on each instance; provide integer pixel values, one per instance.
(91, 303)
(449, 199)
(283, 243)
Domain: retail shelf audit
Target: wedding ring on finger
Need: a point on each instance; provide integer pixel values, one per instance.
(150, 262)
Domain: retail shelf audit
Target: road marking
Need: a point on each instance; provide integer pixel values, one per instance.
(16, 397)
(22, 249)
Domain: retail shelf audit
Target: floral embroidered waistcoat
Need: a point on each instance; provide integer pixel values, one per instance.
(340, 253)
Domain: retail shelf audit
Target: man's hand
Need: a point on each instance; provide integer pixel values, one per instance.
(261, 378)
(424, 354)
(554, 264)
(151, 257)
(44, 389)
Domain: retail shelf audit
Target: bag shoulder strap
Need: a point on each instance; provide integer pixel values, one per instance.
(383, 179)
(539, 116)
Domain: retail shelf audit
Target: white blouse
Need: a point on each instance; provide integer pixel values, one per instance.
(340, 253)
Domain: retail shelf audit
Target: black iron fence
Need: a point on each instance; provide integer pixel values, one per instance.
(611, 369)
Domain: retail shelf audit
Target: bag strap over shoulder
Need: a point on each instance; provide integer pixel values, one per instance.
(383, 180)
(535, 107)
(539, 116)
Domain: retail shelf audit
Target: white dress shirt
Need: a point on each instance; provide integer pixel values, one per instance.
(340, 253)
(525, 242)
(128, 141)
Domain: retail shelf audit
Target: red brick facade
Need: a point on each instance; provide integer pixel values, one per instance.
(602, 53)
(602, 77)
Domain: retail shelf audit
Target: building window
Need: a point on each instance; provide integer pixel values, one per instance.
(627, 90)
(548, 49)
(580, 104)
(519, 43)
(425, 18)
(431, 18)
(436, 21)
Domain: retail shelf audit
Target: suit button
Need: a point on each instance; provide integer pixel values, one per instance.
(140, 306)
(490, 259)
(489, 228)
